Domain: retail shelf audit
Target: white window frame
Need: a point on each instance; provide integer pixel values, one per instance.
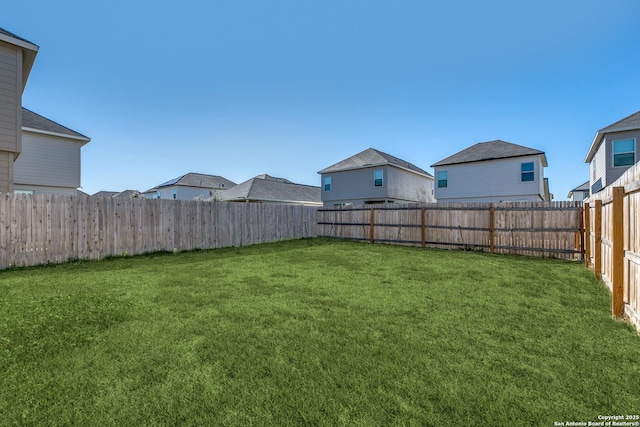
(380, 173)
(528, 172)
(446, 179)
(326, 183)
(613, 152)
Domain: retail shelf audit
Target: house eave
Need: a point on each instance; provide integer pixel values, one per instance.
(597, 140)
(29, 52)
(541, 154)
(374, 165)
(83, 139)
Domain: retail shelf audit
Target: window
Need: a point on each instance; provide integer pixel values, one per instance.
(624, 152)
(377, 178)
(526, 172)
(442, 179)
(327, 183)
(593, 169)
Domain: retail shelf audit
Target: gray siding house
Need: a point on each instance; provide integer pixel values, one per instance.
(493, 171)
(189, 187)
(50, 159)
(16, 59)
(267, 189)
(373, 177)
(614, 150)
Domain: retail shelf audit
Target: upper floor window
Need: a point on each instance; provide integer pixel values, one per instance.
(377, 178)
(593, 169)
(527, 172)
(442, 179)
(327, 183)
(624, 152)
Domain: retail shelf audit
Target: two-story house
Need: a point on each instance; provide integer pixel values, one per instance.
(16, 59)
(373, 177)
(614, 150)
(493, 171)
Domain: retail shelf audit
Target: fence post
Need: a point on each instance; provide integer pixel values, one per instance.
(492, 229)
(581, 236)
(423, 224)
(371, 225)
(617, 279)
(587, 235)
(597, 250)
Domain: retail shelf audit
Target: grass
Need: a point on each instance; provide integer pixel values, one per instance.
(312, 333)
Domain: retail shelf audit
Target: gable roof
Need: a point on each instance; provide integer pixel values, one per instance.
(270, 189)
(370, 158)
(29, 52)
(35, 122)
(198, 180)
(630, 122)
(580, 188)
(491, 150)
(104, 194)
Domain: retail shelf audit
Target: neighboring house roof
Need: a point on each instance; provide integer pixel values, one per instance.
(29, 51)
(270, 189)
(579, 188)
(104, 194)
(197, 180)
(491, 150)
(370, 158)
(129, 194)
(36, 123)
(630, 122)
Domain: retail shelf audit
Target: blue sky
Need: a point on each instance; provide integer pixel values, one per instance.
(288, 87)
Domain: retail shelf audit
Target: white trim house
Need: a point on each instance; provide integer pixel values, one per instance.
(614, 149)
(374, 177)
(493, 171)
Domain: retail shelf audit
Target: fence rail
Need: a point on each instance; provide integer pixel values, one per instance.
(612, 242)
(41, 229)
(537, 229)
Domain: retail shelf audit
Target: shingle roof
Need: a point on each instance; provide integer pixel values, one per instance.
(372, 157)
(38, 122)
(267, 188)
(491, 150)
(199, 180)
(104, 194)
(10, 34)
(630, 122)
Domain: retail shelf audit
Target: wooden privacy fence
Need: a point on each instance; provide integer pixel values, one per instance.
(41, 229)
(536, 229)
(612, 230)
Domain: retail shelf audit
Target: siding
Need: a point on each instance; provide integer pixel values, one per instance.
(357, 186)
(601, 168)
(48, 161)
(410, 187)
(613, 173)
(42, 189)
(6, 171)
(605, 170)
(185, 193)
(354, 186)
(490, 181)
(10, 97)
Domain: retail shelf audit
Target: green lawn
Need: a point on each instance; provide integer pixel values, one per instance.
(313, 333)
